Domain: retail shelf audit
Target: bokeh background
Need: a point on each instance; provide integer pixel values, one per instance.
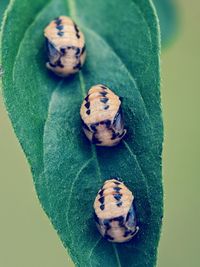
(26, 237)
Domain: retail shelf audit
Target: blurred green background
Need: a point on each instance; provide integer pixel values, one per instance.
(26, 237)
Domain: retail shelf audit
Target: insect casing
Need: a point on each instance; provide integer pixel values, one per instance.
(65, 46)
(115, 213)
(102, 116)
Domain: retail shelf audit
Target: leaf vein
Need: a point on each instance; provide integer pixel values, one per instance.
(85, 164)
(117, 255)
(92, 250)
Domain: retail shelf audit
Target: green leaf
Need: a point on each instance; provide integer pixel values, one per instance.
(3, 6)
(26, 84)
(168, 17)
(123, 52)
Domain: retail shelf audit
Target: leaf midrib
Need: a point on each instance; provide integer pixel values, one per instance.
(83, 91)
(93, 148)
(72, 11)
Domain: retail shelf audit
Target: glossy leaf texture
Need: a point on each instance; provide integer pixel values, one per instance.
(123, 53)
(169, 20)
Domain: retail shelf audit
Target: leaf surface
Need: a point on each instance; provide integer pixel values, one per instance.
(3, 6)
(123, 52)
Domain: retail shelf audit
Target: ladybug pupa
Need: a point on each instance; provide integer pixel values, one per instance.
(102, 117)
(114, 212)
(65, 46)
